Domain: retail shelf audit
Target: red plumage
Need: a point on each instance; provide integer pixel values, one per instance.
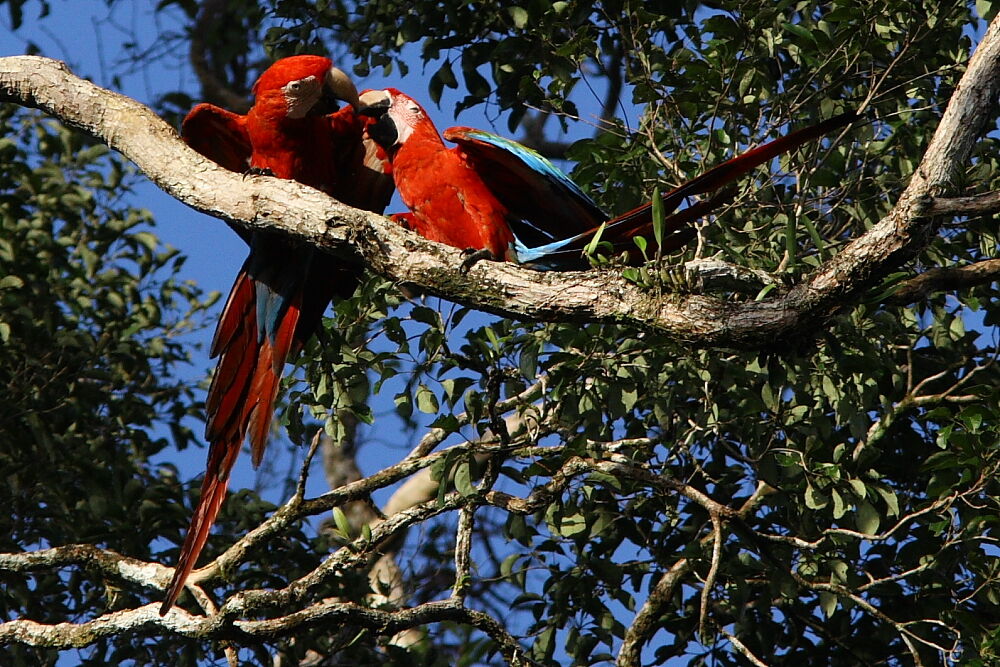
(488, 190)
(280, 295)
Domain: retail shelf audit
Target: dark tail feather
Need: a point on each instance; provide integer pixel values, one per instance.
(732, 169)
(621, 230)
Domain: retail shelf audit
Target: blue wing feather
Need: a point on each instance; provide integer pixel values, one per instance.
(545, 204)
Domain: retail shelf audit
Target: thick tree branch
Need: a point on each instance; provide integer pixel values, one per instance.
(983, 204)
(69, 635)
(945, 278)
(312, 217)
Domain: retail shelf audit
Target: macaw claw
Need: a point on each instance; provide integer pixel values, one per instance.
(474, 256)
(258, 171)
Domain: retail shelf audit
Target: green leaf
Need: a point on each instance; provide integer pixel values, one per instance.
(838, 571)
(815, 499)
(800, 32)
(463, 479)
(867, 519)
(343, 525)
(148, 239)
(987, 9)
(839, 507)
(519, 16)
(11, 282)
(528, 362)
(427, 401)
(507, 566)
(828, 603)
(571, 525)
(426, 315)
(658, 218)
(595, 241)
(892, 503)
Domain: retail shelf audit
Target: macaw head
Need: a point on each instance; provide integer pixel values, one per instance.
(303, 86)
(397, 115)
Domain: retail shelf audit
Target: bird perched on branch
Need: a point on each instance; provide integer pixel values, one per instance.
(501, 198)
(294, 130)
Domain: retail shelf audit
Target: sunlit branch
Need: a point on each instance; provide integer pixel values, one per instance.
(945, 279)
(261, 203)
(983, 204)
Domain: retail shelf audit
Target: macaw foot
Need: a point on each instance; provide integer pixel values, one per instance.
(404, 220)
(258, 171)
(473, 256)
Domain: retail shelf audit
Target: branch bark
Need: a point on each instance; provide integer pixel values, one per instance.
(945, 278)
(264, 203)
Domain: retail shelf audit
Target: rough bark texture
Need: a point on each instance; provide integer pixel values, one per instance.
(312, 217)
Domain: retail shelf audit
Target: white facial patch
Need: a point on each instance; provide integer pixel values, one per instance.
(406, 115)
(302, 95)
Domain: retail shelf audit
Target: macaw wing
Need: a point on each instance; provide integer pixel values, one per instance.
(222, 137)
(219, 135)
(363, 176)
(545, 204)
(375, 183)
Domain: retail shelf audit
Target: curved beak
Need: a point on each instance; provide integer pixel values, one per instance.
(374, 103)
(336, 86)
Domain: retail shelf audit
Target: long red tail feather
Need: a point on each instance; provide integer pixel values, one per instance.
(240, 402)
(725, 173)
(620, 231)
(221, 457)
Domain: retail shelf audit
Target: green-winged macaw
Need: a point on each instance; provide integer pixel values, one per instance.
(294, 131)
(498, 196)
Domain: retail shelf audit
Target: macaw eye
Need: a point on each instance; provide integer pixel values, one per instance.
(414, 110)
(295, 85)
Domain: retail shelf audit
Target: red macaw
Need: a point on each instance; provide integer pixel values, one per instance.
(282, 290)
(496, 195)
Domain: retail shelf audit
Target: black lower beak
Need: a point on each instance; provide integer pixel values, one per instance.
(375, 110)
(383, 131)
(327, 104)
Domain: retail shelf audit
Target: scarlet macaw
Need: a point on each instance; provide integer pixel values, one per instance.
(282, 290)
(496, 195)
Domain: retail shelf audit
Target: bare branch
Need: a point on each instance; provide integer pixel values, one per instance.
(645, 622)
(945, 279)
(742, 648)
(463, 551)
(103, 561)
(983, 204)
(143, 619)
(713, 571)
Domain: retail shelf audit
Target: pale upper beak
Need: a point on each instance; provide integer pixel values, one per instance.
(339, 85)
(374, 103)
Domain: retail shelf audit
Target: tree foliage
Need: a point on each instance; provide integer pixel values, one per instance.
(601, 492)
